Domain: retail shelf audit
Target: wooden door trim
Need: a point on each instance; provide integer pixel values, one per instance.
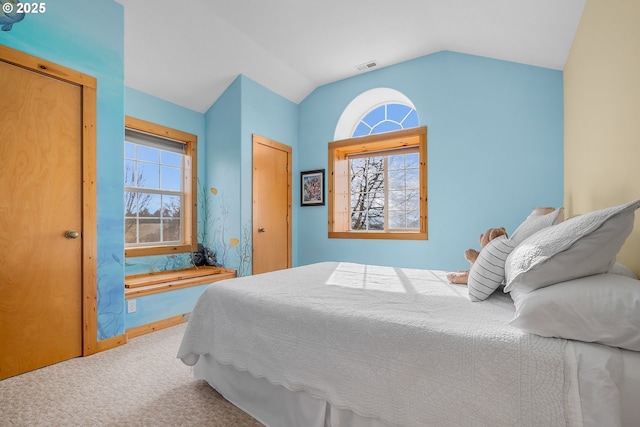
(88, 87)
(89, 223)
(257, 139)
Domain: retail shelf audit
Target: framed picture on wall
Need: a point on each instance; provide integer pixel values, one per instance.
(312, 188)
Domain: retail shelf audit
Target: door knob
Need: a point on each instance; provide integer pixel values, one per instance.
(260, 230)
(71, 234)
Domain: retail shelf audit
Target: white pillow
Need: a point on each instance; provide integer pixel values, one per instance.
(623, 270)
(487, 272)
(577, 247)
(536, 222)
(603, 308)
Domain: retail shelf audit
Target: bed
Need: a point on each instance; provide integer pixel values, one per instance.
(345, 344)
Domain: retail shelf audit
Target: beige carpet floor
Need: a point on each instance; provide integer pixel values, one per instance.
(139, 384)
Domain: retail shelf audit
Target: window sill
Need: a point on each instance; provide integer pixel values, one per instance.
(157, 250)
(376, 235)
(152, 283)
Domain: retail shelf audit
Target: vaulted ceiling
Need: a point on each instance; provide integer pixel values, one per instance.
(189, 51)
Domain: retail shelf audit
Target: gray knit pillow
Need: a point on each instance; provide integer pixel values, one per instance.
(487, 273)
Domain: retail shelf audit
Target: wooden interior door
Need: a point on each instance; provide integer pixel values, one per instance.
(271, 205)
(40, 220)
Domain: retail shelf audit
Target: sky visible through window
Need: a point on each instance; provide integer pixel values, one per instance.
(387, 118)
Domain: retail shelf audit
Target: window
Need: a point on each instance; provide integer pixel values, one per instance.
(362, 105)
(386, 118)
(159, 186)
(378, 186)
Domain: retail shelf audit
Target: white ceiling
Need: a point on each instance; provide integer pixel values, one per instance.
(189, 51)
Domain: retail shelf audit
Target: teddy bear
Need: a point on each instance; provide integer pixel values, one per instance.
(461, 277)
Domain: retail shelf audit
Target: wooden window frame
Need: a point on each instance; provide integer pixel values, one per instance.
(190, 217)
(339, 188)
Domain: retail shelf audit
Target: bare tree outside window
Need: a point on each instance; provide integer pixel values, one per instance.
(134, 202)
(367, 193)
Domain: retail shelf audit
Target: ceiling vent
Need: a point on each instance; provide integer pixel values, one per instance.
(367, 66)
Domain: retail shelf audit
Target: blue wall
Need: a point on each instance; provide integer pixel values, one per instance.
(89, 37)
(266, 114)
(146, 107)
(164, 305)
(495, 150)
(223, 125)
(244, 108)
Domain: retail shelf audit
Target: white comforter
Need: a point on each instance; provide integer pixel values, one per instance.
(401, 345)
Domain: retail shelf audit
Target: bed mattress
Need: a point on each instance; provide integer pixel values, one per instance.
(400, 346)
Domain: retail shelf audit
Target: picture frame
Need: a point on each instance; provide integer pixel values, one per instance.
(312, 188)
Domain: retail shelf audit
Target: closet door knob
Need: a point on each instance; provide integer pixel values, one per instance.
(260, 230)
(71, 234)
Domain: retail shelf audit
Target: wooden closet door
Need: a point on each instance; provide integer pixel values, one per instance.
(40, 220)
(271, 205)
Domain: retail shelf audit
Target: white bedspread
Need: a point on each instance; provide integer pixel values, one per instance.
(402, 345)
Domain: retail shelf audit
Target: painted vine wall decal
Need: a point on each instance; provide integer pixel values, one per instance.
(215, 229)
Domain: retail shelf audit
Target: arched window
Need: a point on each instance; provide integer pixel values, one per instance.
(374, 104)
(377, 169)
(387, 118)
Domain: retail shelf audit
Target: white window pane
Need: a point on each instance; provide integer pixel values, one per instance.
(149, 231)
(413, 178)
(129, 150)
(397, 200)
(376, 219)
(130, 203)
(171, 206)
(358, 200)
(375, 116)
(362, 129)
(412, 199)
(130, 230)
(413, 219)
(396, 162)
(413, 160)
(357, 164)
(357, 183)
(169, 158)
(148, 204)
(376, 201)
(171, 178)
(396, 180)
(358, 219)
(397, 219)
(397, 112)
(386, 126)
(148, 175)
(148, 154)
(170, 230)
(129, 173)
(374, 167)
(411, 121)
